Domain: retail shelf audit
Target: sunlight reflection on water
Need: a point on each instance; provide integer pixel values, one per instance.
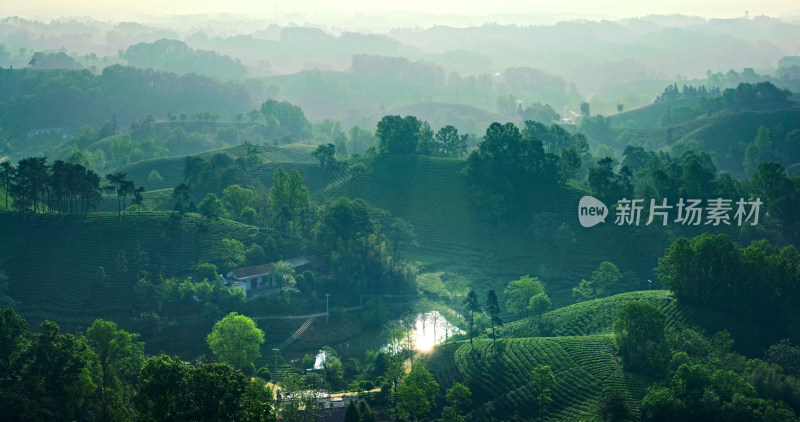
(432, 329)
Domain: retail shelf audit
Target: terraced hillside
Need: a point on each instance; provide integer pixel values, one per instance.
(595, 317)
(289, 157)
(648, 117)
(719, 134)
(500, 376)
(171, 169)
(433, 195)
(53, 261)
(579, 348)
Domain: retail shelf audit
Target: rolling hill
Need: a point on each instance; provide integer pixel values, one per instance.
(719, 135)
(579, 348)
(467, 119)
(434, 196)
(54, 261)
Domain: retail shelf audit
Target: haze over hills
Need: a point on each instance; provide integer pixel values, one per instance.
(626, 61)
(600, 216)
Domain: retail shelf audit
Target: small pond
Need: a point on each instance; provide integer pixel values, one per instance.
(430, 329)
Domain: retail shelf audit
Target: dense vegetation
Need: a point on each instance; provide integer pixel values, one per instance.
(140, 196)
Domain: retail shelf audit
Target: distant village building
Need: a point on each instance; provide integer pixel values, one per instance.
(47, 132)
(251, 279)
(570, 118)
(333, 406)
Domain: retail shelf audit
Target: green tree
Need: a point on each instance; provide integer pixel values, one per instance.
(757, 151)
(569, 164)
(258, 403)
(326, 156)
(360, 140)
(30, 184)
(340, 140)
(237, 198)
(171, 390)
(332, 368)
(283, 273)
(357, 255)
(233, 254)
(211, 207)
(639, 336)
(235, 340)
(459, 397)
(539, 304)
(583, 291)
(500, 170)
(780, 194)
(118, 182)
(426, 144)
(120, 356)
(450, 414)
(703, 270)
(57, 377)
(7, 171)
(284, 118)
(182, 193)
(401, 234)
(542, 382)
(601, 284)
(450, 143)
(204, 271)
(613, 408)
(399, 135)
(288, 201)
(14, 341)
(606, 184)
(351, 414)
(163, 384)
(306, 392)
(215, 392)
(472, 305)
(138, 198)
(416, 394)
(395, 370)
(661, 405)
(519, 293)
(493, 308)
(787, 355)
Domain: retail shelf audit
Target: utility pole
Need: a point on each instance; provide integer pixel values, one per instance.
(275, 353)
(327, 295)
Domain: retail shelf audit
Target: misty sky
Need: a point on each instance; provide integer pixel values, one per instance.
(610, 9)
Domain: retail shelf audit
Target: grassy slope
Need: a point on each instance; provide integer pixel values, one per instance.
(289, 157)
(582, 357)
(499, 376)
(465, 118)
(596, 316)
(716, 133)
(648, 116)
(52, 261)
(719, 132)
(171, 169)
(433, 195)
